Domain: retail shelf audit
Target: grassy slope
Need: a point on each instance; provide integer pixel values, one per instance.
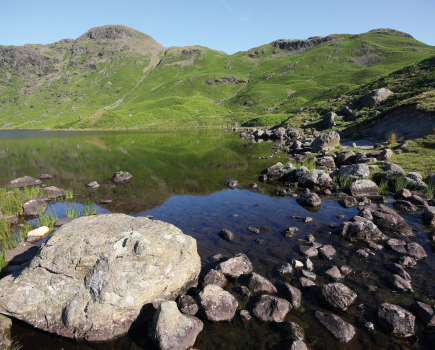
(117, 93)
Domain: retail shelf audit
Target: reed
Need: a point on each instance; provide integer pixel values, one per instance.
(47, 219)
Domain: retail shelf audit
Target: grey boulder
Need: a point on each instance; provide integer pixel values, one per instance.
(355, 171)
(396, 320)
(95, 275)
(235, 267)
(340, 329)
(337, 295)
(25, 181)
(362, 188)
(171, 330)
(271, 309)
(259, 284)
(216, 304)
(325, 142)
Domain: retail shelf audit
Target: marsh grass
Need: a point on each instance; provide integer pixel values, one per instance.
(400, 182)
(309, 165)
(383, 187)
(11, 201)
(72, 211)
(69, 194)
(47, 219)
(392, 138)
(430, 189)
(90, 209)
(343, 181)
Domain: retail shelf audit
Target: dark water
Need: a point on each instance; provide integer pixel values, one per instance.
(179, 177)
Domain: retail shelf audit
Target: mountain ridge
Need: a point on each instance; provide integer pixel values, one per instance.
(116, 77)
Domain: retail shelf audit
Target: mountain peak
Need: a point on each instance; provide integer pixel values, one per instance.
(112, 32)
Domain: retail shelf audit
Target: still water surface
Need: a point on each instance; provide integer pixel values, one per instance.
(179, 177)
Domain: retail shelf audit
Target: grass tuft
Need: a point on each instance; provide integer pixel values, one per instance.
(344, 181)
(400, 182)
(47, 219)
(430, 189)
(383, 187)
(392, 138)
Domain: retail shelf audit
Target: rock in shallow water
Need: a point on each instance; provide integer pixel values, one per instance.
(396, 320)
(171, 330)
(337, 295)
(340, 329)
(271, 309)
(216, 304)
(99, 270)
(259, 284)
(235, 267)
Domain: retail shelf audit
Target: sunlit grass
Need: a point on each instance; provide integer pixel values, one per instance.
(383, 187)
(48, 219)
(90, 209)
(400, 182)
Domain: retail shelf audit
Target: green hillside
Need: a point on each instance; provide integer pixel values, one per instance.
(114, 77)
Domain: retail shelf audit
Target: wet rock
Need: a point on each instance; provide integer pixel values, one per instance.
(298, 345)
(34, 207)
(278, 171)
(244, 292)
(307, 220)
(271, 309)
(308, 264)
(259, 284)
(314, 179)
(345, 270)
(400, 284)
(341, 216)
(293, 295)
(245, 315)
(334, 273)
(306, 283)
(25, 181)
(253, 229)
(325, 142)
(285, 269)
(171, 330)
(227, 235)
(216, 304)
(425, 313)
(235, 267)
(396, 320)
(362, 253)
(406, 261)
(80, 302)
(5, 332)
(22, 253)
(362, 188)
(404, 205)
(387, 219)
(297, 264)
(412, 249)
(216, 257)
(214, 277)
(54, 192)
(374, 246)
(402, 194)
(337, 295)
(307, 199)
(308, 274)
(293, 331)
(355, 171)
(259, 241)
(327, 252)
(120, 177)
(348, 202)
(340, 329)
(93, 185)
(290, 232)
(232, 184)
(365, 230)
(61, 222)
(308, 250)
(186, 304)
(429, 215)
(264, 228)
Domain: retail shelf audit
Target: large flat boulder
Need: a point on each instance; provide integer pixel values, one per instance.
(25, 181)
(95, 275)
(325, 142)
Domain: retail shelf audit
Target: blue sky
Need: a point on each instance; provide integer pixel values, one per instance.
(225, 25)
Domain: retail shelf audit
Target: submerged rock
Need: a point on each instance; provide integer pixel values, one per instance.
(293, 331)
(186, 304)
(271, 309)
(364, 229)
(337, 295)
(227, 235)
(79, 275)
(308, 199)
(396, 320)
(340, 329)
(171, 330)
(293, 295)
(259, 284)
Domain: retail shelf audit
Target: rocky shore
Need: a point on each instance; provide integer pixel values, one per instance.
(103, 276)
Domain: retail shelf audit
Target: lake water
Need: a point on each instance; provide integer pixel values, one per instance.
(179, 177)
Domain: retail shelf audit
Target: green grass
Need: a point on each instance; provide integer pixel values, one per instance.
(46, 219)
(344, 181)
(11, 201)
(71, 211)
(383, 187)
(89, 209)
(400, 182)
(430, 189)
(116, 93)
